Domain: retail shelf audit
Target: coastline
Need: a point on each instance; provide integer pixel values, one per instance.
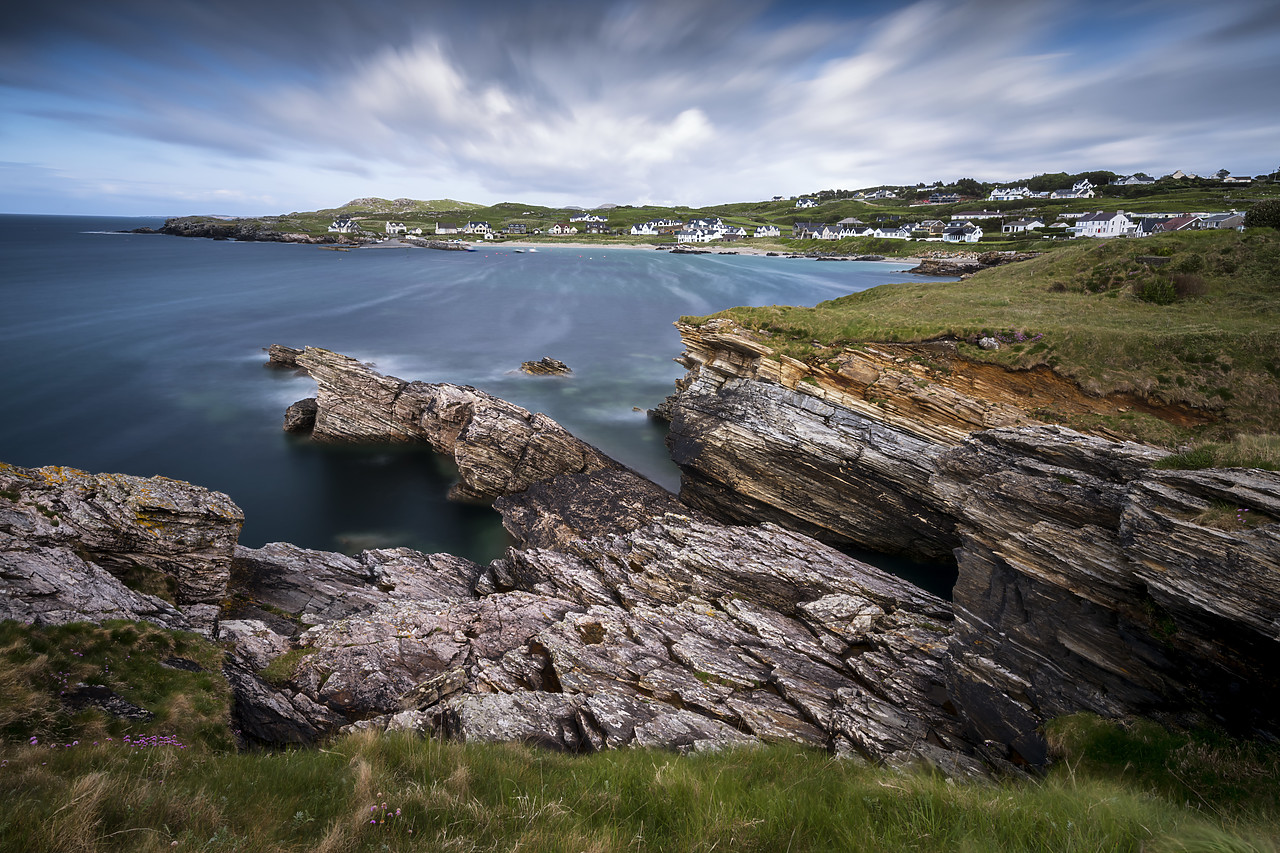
(700, 247)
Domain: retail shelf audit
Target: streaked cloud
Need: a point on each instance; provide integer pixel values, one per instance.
(582, 103)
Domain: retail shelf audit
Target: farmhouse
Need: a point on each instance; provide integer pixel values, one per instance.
(1018, 226)
(1102, 224)
(962, 234)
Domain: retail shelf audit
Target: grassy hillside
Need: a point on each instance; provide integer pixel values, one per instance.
(373, 212)
(72, 782)
(1187, 318)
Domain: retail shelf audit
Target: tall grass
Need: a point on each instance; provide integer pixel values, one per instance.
(399, 792)
(69, 784)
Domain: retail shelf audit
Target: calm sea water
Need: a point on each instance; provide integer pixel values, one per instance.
(143, 355)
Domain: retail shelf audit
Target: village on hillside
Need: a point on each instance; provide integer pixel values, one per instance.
(1026, 211)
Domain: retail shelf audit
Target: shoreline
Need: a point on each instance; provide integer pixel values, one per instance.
(755, 251)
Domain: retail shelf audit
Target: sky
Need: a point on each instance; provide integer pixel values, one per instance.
(252, 107)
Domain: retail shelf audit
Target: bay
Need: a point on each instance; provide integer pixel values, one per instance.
(143, 354)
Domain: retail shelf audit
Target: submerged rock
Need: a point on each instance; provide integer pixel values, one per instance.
(545, 367)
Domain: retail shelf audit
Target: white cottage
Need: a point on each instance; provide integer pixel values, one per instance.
(1102, 224)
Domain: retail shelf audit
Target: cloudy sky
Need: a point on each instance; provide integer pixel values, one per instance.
(265, 106)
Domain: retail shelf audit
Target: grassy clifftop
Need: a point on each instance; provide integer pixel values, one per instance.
(83, 780)
(1187, 318)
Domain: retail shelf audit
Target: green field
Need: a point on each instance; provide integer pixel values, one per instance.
(1190, 318)
(72, 782)
(372, 213)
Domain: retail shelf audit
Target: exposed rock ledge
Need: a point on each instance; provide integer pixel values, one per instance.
(1087, 581)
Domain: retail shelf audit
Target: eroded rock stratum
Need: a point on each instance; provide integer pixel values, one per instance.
(624, 616)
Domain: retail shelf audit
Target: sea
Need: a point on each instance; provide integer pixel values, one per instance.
(144, 354)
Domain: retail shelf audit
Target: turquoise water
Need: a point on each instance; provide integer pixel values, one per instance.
(143, 355)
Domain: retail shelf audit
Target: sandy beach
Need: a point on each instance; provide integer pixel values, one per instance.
(724, 249)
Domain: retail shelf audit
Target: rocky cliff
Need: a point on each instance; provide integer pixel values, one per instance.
(1086, 579)
(105, 546)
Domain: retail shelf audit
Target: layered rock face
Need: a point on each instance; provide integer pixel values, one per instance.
(622, 617)
(498, 446)
(69, 540)
(844, 449)
(1086, 579)
(681, 633)
(1089, 581)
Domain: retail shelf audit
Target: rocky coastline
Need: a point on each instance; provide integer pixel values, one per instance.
(625, 615)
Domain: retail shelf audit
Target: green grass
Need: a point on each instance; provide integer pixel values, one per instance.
(1243, 451)
(1114, 788)
(1081, 310)
(1132, 786)
(41, 665)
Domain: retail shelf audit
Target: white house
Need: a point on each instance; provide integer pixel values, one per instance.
(561, 229)
(696, 235)
(587, 217)
(768, 231)
(883, 194)
(396, 228)
(1080, 189)
(1009, 194)
(734, 231)
(962, 234)
(1018, 226)
(1102, 224)
(1132, 181)
(894, 232)
(717, 225)
(477, 228)
(1223, 220)
(448, 228)
(344, 225)
(806, 202)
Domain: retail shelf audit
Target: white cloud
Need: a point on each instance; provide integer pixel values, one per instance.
(672, 101)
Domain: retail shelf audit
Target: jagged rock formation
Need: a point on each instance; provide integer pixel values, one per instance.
(545, 366)
(1089, 581)
(499, 447)
(70, 540)
(1085, 579)
(969, 264)
(844, 448)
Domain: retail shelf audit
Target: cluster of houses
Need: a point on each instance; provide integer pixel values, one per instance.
(1081, 189)
(964, 227)
(931, 229)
